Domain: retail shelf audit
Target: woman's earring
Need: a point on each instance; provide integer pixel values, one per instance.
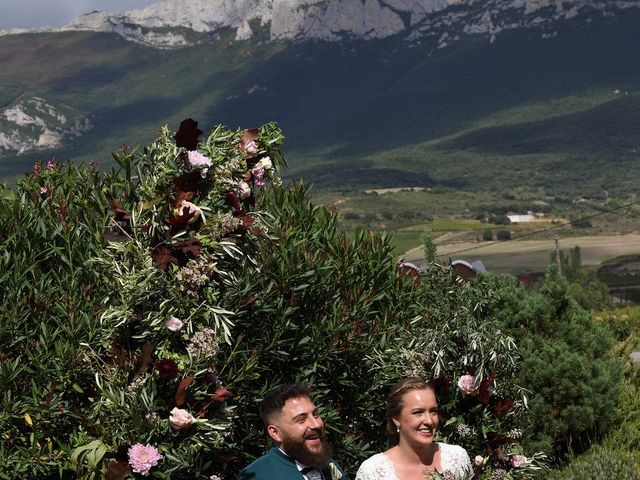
(398, 428)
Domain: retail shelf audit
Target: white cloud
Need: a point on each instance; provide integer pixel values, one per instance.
(41, 13)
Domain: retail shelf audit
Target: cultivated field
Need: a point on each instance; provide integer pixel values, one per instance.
(519, 256)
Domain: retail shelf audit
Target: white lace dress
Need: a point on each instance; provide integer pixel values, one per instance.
(454, 460)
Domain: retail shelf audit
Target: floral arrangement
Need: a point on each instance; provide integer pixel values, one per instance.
(184, 224)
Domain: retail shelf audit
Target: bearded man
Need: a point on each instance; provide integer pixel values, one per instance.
(301, 450)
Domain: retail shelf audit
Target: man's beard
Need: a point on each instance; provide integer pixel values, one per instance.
(298, 450)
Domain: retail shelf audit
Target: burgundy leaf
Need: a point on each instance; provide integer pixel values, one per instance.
(167, 368)
(117, 470)
(179, 222)
(120, 213)
(483, 391)
(187, 135)
(233, 201)
(143, 362)
(502, 406)
(221, 394)
(189, 249)
(162, 256)
(187, 185)
(440, 384)
(181, 392)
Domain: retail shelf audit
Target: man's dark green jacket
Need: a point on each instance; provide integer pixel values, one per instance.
(276, 465)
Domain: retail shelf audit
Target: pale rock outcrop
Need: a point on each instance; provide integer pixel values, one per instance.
(333, 20)
(31, 123)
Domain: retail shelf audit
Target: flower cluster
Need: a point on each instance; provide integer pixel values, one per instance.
(203, 344)
(184, 224)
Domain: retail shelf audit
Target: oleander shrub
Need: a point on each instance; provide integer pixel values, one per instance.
(51, 228)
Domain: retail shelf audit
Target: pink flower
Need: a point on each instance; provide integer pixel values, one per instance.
(37, 168)
(143, 457)
(174, 324)
(250, 146)
(467, 385)
(518, 460)
(245, 190)
(44, 190)
(51, 163)
(180, 418)
(479, 460)
(258, 174)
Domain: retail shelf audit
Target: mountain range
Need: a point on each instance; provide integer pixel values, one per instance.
(460, 93)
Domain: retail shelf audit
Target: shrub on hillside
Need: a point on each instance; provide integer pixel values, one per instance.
(566, 364)
(601, 464)
(503, 235)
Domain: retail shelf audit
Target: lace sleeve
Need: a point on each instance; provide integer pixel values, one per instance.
(378, 467)
(456, 460)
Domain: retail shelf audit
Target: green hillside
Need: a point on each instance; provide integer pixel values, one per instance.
(560, 114)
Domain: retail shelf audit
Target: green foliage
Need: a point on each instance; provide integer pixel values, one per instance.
(51, 228)
(487, 235)
(503, 235)
(321, 301)
(584, 285)
(430, 249)
(189, 231)
(566, 365)
(500, 220)
(331, 310)
(211, 290)
(601, 464)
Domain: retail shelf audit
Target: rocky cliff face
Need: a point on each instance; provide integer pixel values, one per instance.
(167, 24)
(30, 123)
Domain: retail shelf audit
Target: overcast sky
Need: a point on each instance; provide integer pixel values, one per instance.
(56, 13)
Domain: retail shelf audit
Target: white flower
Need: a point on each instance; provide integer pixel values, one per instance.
(245, 190)
(174, 324)
(266, 163)
(195, 158)
(180, 418)
(479, 460)
(191, 209)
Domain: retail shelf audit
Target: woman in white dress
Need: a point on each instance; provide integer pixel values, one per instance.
(412, 421)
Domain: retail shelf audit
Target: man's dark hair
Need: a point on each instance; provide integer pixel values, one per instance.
(275, 399)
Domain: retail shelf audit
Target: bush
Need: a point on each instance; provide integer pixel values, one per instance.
(581, 223)
(487, 235)
(501, 220)
(601, 464)
(566, 365)
(503, 235)
(51, 228)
